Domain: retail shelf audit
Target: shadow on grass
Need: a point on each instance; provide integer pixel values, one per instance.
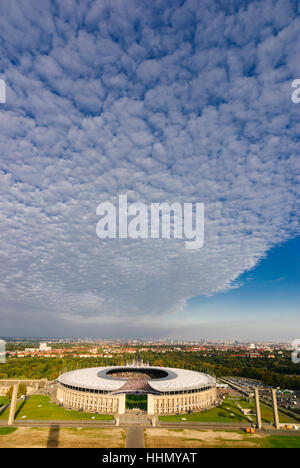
(238, 415)
(20, 408)
(4, 408)
(53, 437)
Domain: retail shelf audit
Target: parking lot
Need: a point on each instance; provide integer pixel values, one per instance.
(286, 399)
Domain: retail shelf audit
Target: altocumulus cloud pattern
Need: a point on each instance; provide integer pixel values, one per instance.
(164, 100)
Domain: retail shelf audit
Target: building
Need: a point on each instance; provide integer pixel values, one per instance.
(44, 347)
(104, 389)
(32, 386)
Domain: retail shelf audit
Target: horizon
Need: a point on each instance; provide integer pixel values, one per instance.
(133, 341)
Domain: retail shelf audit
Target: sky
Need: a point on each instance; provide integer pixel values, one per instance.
(164, 101)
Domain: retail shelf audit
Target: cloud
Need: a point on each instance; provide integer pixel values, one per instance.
(163, 102)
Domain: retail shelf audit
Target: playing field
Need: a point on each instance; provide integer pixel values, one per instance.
(38, 407)
(54, 437)
(189, 438)
(228, 412)
(136, 401)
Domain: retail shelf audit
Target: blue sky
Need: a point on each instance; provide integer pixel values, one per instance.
(165, 101)
(267, 293)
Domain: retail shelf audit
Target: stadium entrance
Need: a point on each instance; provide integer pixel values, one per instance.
(134, 401)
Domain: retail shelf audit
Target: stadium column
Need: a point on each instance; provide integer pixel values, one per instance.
(150, 404)
(275, 409)
(122, 403)
(257, 409)
(13, 404)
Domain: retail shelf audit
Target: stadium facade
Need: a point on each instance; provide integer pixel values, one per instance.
(104, 389)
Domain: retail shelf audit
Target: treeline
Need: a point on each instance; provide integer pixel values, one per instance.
(278, 372)
(51, 368)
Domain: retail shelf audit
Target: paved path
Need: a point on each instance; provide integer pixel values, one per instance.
(135, 418)
(135, 437)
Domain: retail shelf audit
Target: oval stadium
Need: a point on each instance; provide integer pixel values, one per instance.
(104, 389)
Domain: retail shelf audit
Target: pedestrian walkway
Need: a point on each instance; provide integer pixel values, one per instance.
(135, 418)
(135, 437)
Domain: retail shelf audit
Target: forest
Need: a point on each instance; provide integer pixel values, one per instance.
(277, 372)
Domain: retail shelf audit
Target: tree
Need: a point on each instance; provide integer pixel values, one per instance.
(22, 390)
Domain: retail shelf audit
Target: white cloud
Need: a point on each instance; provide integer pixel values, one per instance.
(162, 103)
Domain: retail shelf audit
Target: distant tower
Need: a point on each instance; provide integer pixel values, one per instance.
(13, 404)
(257, 408)
(275, 409)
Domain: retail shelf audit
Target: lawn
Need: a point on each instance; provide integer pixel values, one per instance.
(38, 407)
(55, 437)
(195, 438)
(3, 401)
(7, 430)
(280, 442)
(227, 412)
(266, 412)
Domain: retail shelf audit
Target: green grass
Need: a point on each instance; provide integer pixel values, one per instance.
(136, 401)
(7, 430)
(274, 441)
(30, 409)
(3, 401)
(280, 442)
(218, 414)
(227, 412)
(266, 412)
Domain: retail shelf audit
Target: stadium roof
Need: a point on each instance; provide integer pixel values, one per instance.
(96, 378)
(184, 380)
